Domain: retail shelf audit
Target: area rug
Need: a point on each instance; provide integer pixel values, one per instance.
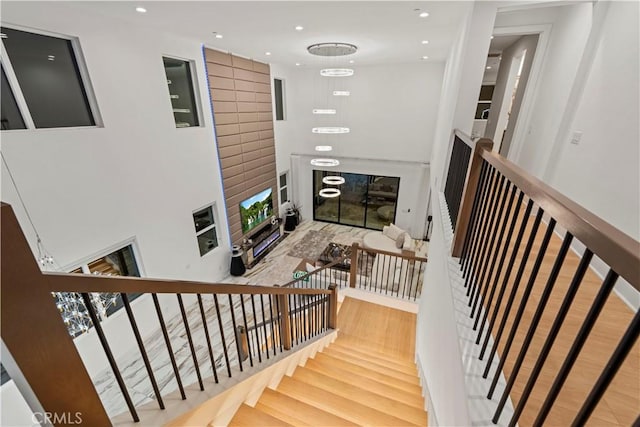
(311, 244)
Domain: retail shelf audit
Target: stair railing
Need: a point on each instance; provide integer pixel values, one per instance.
(224, 325)
(506, 221)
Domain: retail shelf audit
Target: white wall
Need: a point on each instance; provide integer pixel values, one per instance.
(391, 111)
(602, 172)
(570, 27)
(138, 176)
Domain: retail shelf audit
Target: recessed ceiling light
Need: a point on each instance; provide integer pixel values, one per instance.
(267, 53)
(489, 67)
(351, 61)
(323, 111)
(299, 28)
(218, 36)
(297, 64)
(330, 129)
(141, 9)
(491, 37)
(51, 57)
(425, 57)
(341, 93)
(425, 41)
(423, 14)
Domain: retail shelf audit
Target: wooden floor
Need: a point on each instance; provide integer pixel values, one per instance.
(621, 404)
(366, 377)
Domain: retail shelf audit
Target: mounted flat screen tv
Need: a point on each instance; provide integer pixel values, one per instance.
(256, 210)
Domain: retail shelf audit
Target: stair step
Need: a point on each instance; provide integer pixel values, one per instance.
(338, 405)
(410, 378)
(296, 412)
(364, 381)
(365, 347)
(252, 417)
(362, 396)
(408, 368)
(382, 377)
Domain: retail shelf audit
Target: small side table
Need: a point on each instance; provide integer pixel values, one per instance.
(237, 265)
(290, 221)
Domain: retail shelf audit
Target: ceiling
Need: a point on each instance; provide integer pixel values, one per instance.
(384, 31)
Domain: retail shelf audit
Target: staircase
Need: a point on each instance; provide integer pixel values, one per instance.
(351, 382)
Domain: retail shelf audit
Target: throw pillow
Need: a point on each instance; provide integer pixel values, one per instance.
(394, 231)
(400, 240)
(385, 231)
(408, 242)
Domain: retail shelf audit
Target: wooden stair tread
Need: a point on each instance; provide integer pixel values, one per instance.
(338, 405)
(296, 412)
(362, 346)
(364, 381)
(246, 416)
(407, 368)
(410, 378)
(382, 377)
(362, 396)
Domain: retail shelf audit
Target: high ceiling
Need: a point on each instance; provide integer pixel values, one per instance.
(385, 32)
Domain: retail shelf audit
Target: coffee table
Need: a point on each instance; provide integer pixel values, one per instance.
(334, 252)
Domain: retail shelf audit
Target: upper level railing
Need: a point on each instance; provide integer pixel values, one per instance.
(519, 239)
(209, 331)
(399, 275)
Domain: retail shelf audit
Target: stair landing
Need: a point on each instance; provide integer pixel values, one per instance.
(366, 377)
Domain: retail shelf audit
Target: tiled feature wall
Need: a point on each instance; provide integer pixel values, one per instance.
(241, 95)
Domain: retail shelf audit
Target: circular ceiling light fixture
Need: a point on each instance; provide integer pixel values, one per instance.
(324, 148)
(330, 129)
(423, 14)
(341, 93)
(299, 28)
(333, 180)
(326, 163)
(425, 41)
(323, 111)
(141, 10)
(329, 192)
(332, 49)
(336, 72)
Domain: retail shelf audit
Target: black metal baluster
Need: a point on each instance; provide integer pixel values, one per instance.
(167, 341)
(546, 293)
(246, 328)
(464, 256)
(235, 328)
(523, 304)
(206, 334)
(264, 328)
(224, 341)
(553, 333)
(503, 256)
(112, 361)
(576, 347)
(273, 330)
(485, 234)
(515, 286)
(507, 275)
(256, 328)
(143, 352)
(190, 339)
(493, 249)
(620, 353)
(476, 236)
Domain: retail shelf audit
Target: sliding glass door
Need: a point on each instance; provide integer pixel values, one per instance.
(367, 201)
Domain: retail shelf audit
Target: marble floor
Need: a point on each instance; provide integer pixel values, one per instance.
(276, 268)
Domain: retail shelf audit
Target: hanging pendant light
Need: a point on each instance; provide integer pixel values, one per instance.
(336, 72)
(330, 129)
(324, 148)
(327, 163)
(329, 192)
(333, 180)
(323, 111)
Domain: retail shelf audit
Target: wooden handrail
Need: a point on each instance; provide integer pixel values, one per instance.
(314, 272)
(64, 282)
(388, 253)
(614, 247)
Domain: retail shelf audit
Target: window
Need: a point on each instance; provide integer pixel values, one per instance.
(181, 93)
(49, 80)
(278, 90)
(11, 117)
(121, 262)
(284, 188)
(205, 230)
